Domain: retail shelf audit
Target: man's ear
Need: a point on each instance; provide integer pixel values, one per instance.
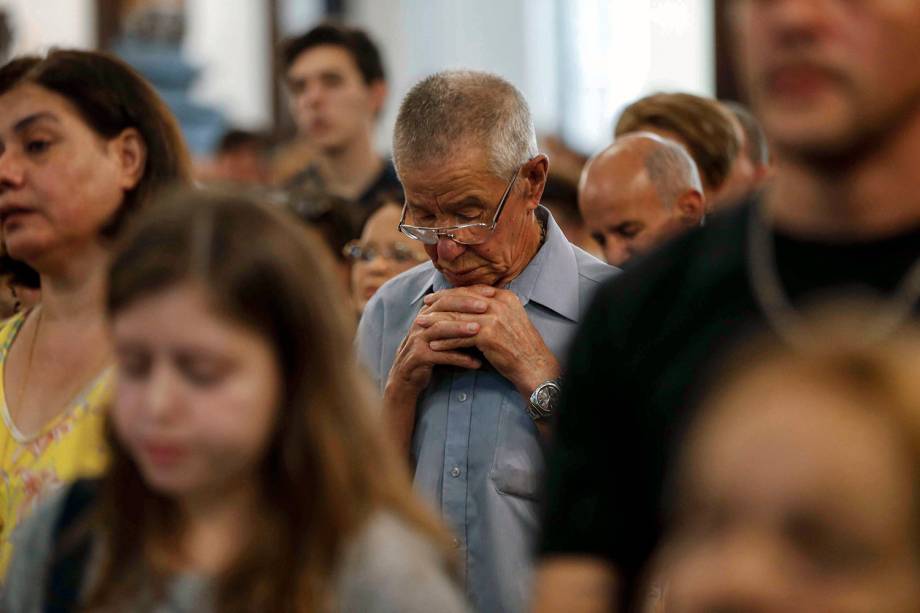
(691, 207)
(378, 96)
(131, 153)
(537, 171)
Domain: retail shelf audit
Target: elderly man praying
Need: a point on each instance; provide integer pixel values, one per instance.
(466, 348)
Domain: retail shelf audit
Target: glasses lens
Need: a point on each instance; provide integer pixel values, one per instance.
(426, 235)
(352, 250)
(471, 235)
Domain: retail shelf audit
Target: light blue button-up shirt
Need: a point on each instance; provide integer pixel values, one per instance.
(476, 453)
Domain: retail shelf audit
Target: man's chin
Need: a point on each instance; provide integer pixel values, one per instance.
(463, 278)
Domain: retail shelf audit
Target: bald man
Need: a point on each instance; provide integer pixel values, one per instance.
(637, 193)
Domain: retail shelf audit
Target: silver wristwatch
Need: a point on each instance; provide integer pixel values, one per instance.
(544, 400)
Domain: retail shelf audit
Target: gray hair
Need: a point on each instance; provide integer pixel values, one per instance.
(670, 169)
(452, 109)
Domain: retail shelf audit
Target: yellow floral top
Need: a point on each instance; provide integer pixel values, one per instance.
(69, 447)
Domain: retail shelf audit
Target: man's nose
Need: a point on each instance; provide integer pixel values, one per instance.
(449, 249)
(616, 252)
(796, 21)
(313, 95)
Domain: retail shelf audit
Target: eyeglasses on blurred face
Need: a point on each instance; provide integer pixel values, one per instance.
(474, 233)
(400, 254)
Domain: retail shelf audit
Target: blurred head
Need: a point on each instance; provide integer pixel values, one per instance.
(462, 140)
(85, 142)
(336, 85)
(799, 486)
(380, 254)
(639, 192)
(829, 80)
(560, 196)
(751, 169)
(702, 125)
(235, 371)
(241, 157)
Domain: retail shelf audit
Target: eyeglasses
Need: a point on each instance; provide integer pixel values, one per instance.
(474, 233)
(396, 253)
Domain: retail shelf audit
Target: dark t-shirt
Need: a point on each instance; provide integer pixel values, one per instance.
(308, 184)
(650, 339)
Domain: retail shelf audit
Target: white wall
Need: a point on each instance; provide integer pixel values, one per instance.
(619, 50)
(231, 39)
(578, 62)
(39, 24)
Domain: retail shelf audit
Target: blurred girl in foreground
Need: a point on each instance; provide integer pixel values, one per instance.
(84, 142)
(798, 488)
(248, 471)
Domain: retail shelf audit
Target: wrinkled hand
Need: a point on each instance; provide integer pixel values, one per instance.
(415, 359)
(503, 333)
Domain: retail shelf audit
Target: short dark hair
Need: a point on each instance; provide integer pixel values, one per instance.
(110, 97)
(235, 139)
(355, 41)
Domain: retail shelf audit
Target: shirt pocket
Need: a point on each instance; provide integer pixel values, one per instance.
(518, 463)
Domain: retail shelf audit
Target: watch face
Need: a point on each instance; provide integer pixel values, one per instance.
(546, 397)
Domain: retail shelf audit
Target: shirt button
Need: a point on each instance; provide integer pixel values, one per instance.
(455, 471)
(462, 396)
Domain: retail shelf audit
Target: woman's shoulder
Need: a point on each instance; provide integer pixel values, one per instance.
(390, 566)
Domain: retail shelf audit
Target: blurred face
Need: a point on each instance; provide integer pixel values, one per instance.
(828, 77)
(798, 499)
(245, 165)
(331, 103)
(462, 190)
(59, 181)
(393, 252)
(197, 394)
(624, 212)
(742, 178)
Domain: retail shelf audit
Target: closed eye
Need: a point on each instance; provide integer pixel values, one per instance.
(37, 146)
(628, 230)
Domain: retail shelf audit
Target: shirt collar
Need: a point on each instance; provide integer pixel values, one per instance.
(550, 279)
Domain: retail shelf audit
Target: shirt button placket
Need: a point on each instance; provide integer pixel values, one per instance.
(454, 484)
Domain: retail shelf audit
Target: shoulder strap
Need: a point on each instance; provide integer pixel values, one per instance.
(68, 564)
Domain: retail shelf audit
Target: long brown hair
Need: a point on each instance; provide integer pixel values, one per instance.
(111, 97)
(328, 466)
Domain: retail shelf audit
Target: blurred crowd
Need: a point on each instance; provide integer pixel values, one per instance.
(487, 374)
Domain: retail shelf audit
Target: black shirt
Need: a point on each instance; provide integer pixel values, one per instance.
(308, 185)
(650, 339)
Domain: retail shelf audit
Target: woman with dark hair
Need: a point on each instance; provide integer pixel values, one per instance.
(248, 469)
(84, 141)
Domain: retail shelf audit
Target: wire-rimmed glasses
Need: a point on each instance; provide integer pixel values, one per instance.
(474, 233)
(401, 254)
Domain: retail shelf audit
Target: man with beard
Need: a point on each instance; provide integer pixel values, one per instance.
(836, 86)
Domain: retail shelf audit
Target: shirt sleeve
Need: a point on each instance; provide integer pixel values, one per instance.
(369, 341)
